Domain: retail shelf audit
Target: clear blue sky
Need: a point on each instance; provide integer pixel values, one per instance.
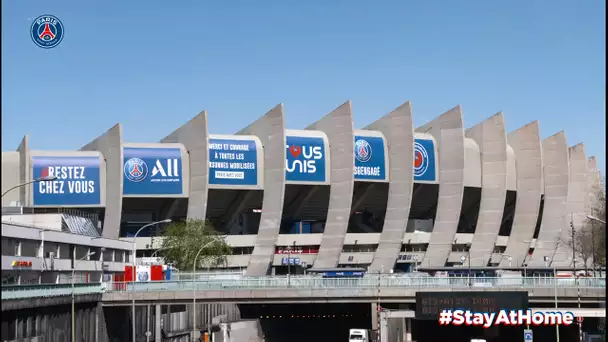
(152, 65)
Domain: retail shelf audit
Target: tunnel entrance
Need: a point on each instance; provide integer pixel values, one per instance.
(308, 322)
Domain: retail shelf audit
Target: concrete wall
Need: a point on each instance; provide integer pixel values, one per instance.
(11, 176)
(110, 146)
(594, 180)
(555, 213)
(511, 169)
(193, 135)
(270, 128)
(398, 130)
(525, 142)
(472, 164)
(52, 323)
(338, 126)
(578, 200)
(243, 331)
(448, 131)
(491, 137)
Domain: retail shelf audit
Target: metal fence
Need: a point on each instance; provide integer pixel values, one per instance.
(48, 290)
(299, 282)
(353, 283)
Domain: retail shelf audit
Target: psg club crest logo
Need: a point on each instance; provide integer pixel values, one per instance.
(47, 31)
(421, 160)
(363, 151)
(142, 276)
(135, 170)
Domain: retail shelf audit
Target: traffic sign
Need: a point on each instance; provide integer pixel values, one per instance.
(528, 335)
(579, 319)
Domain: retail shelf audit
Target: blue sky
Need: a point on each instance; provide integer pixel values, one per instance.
(152, 65)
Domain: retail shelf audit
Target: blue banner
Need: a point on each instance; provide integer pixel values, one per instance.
(77, 181)
(424, 160)
(233, 162)
(370, 162)
(305, 160)
(152, 171)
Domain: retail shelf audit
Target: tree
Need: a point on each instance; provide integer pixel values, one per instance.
(583, 245)
(184, 240)
(598, 229)
(588, 243)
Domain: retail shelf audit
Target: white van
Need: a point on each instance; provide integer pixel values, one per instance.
(358, 335)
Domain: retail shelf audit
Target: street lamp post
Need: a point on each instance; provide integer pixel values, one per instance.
(469, 260)
(289, 264)
(73, 297)
(194, 284)
(40, 179)
(133, 272)
(555, 294)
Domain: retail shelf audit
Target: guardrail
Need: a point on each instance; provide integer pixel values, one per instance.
(354, 283)
(298, 282)
(10, 292)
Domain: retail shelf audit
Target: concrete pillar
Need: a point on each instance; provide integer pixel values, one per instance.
(97, 310)
(169, 318)
(408, 330)
(157, 323)
(19, 327)
(374, 316)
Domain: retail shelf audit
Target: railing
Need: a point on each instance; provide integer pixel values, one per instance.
(352, 283)
(48, 290)
(297, 282)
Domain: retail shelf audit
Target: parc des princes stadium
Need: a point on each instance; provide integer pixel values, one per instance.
(386, 197)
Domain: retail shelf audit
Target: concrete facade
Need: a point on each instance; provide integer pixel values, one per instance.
(595, 184)
(270, 128)
(491, 137)
(578, 201)
(448, 130)
(483, 158)
(555, 214)
(193, 135)
(526, 144)
(397, 127)
(338, 126)
(110, 146)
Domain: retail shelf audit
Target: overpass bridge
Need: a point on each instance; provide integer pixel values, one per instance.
(168, 304)
(304, 289)
(268, 290)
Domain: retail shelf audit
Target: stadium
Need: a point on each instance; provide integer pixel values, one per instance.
(389, 197)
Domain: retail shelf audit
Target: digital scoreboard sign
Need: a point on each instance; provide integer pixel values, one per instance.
(430, 304)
